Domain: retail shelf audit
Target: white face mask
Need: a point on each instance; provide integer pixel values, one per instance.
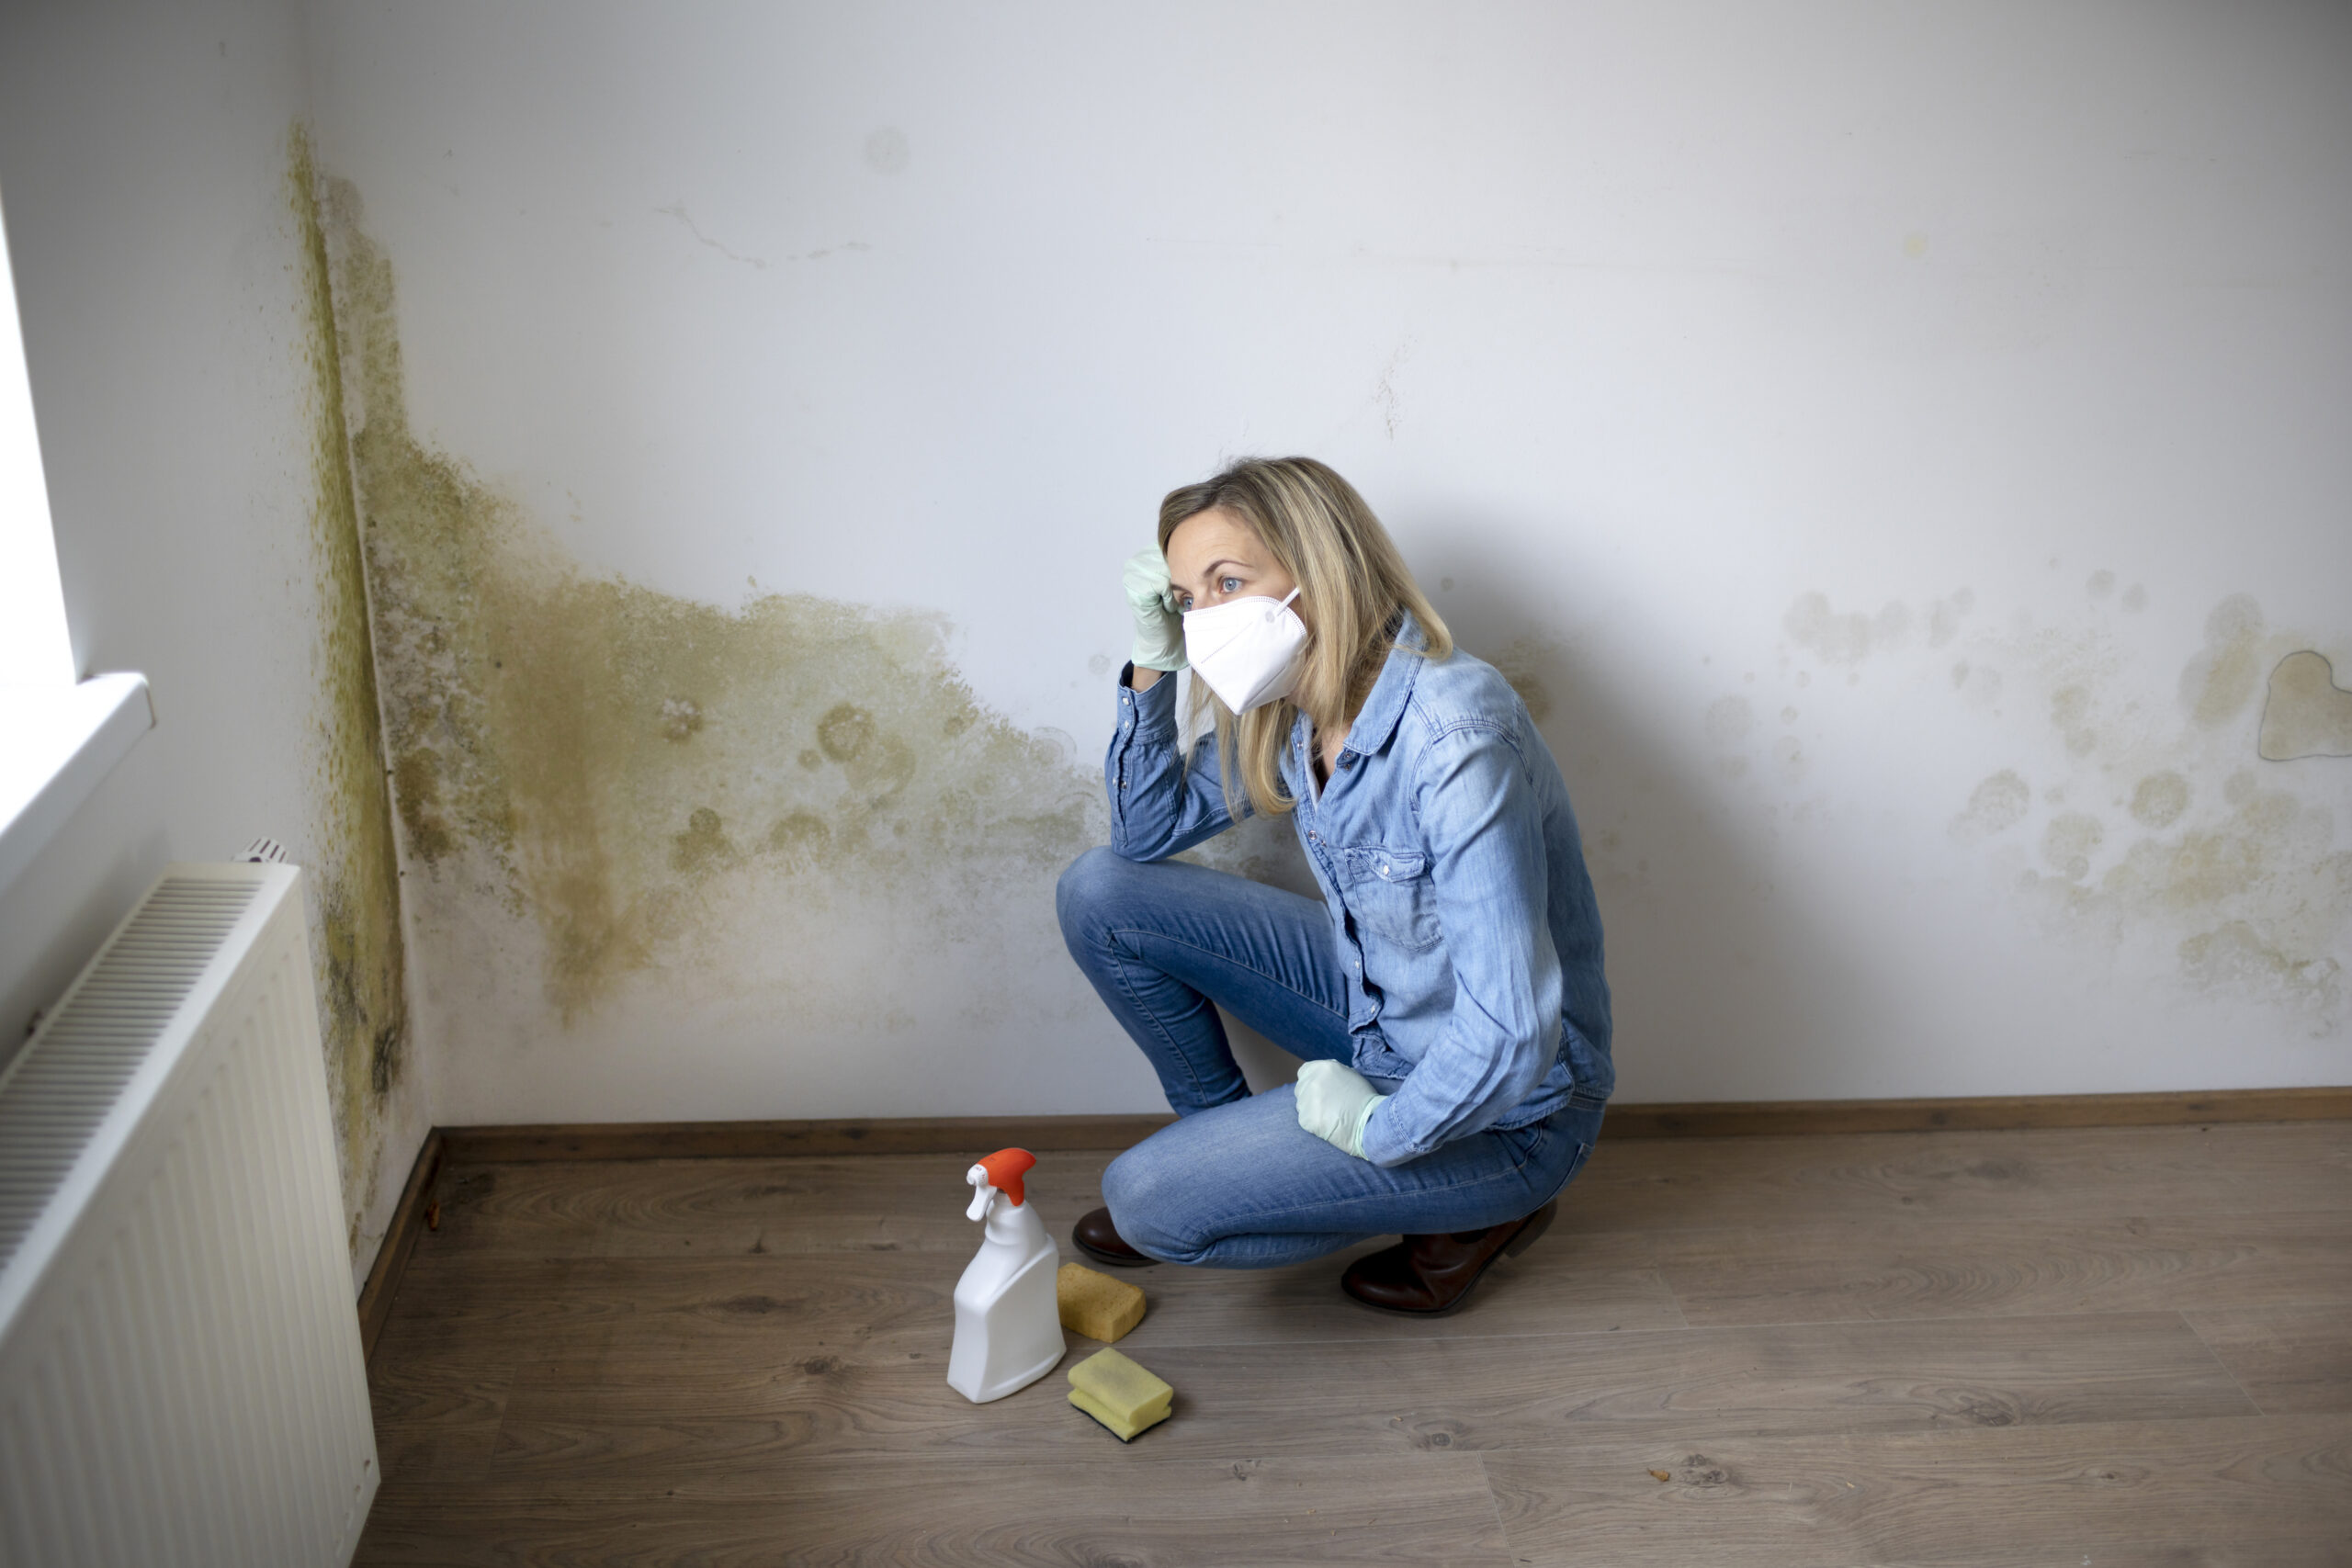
(1249, 650)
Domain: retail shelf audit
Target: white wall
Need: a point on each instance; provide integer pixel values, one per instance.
(1839, 412)
(144, 154)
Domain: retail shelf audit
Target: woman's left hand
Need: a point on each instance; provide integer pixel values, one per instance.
(1334, 1102)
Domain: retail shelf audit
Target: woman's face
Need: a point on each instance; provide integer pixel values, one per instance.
(1214, 556)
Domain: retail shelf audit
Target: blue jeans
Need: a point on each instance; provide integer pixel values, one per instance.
(1236, 1183)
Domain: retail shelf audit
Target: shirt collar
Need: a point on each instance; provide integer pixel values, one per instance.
(1385, 705)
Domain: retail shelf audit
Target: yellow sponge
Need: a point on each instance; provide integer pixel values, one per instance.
(1119, 1394)
(1095, 1304)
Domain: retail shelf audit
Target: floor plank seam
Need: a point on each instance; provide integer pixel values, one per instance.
(2222, 1361)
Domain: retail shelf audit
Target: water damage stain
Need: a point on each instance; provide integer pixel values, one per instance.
(796, 796)
(2305, 713)
(1523, 663)
(2159, 800)
(1845, 638)
(1996, 805)
(2158, 835)
(2246, 888)
(2220, 679)
(2258, 900)
(354, 872)
(2253, 892)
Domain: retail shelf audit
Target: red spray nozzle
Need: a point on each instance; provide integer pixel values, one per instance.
(1005, 1167)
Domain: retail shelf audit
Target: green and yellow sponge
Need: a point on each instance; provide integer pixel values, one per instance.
(1119, 1393)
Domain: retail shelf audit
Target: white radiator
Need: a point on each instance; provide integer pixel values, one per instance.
(180, 1374)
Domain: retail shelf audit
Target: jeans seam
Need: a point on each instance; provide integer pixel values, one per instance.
(1158, 1027)
(1227, 958)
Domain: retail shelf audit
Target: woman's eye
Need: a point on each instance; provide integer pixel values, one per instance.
(1229, 585)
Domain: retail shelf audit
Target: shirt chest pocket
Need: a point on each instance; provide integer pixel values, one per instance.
(1389, 894)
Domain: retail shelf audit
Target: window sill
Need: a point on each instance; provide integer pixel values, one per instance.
(55, 745)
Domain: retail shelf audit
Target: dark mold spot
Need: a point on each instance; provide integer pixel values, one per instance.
(845, 733)
(799, 840)
(356, 869)
(703, 848)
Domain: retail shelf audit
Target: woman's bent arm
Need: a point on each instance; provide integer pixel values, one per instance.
(1487, 862)
(1159, 805)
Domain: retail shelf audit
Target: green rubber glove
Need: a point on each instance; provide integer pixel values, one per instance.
(1159, 630)
(1334, 1102)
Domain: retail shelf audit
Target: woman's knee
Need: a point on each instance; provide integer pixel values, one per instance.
(1147, 1208)
(1093, 884)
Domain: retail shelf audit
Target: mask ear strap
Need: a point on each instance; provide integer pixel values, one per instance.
(1287, 598)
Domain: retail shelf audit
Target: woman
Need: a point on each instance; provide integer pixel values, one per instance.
(1447, 994)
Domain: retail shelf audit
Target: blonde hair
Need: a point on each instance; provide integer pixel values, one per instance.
(1351, 582)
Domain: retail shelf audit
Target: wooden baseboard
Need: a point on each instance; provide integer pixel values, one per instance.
(1730, 1118)
(1788, 1118)
(400, 1240)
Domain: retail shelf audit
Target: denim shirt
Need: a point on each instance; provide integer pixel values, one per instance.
(1455, 880)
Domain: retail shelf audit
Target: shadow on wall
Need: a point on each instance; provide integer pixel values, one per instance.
(1680, 896)
(795, 802)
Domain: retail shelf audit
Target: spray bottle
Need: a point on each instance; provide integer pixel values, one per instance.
(1008, 1324)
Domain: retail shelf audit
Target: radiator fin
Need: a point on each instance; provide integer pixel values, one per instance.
(180, 1374)
(61, 1086)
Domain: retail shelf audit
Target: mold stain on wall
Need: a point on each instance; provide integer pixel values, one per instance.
(797, 801)
(2171, 834)
(355, 873)
(2249, 885)
(2305, 713)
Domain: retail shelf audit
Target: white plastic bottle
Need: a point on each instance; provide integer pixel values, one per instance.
(1008, 1324)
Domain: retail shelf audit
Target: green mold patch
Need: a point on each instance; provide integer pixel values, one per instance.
(796, 796)
(355, 870)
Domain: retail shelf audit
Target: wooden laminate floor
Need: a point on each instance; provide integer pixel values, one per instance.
(2106, 1347)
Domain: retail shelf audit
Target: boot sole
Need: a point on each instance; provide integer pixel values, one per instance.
(1528, 1234)
(1133, 1260)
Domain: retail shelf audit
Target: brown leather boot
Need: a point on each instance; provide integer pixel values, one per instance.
(1429, 1276)
(1100, 1240)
